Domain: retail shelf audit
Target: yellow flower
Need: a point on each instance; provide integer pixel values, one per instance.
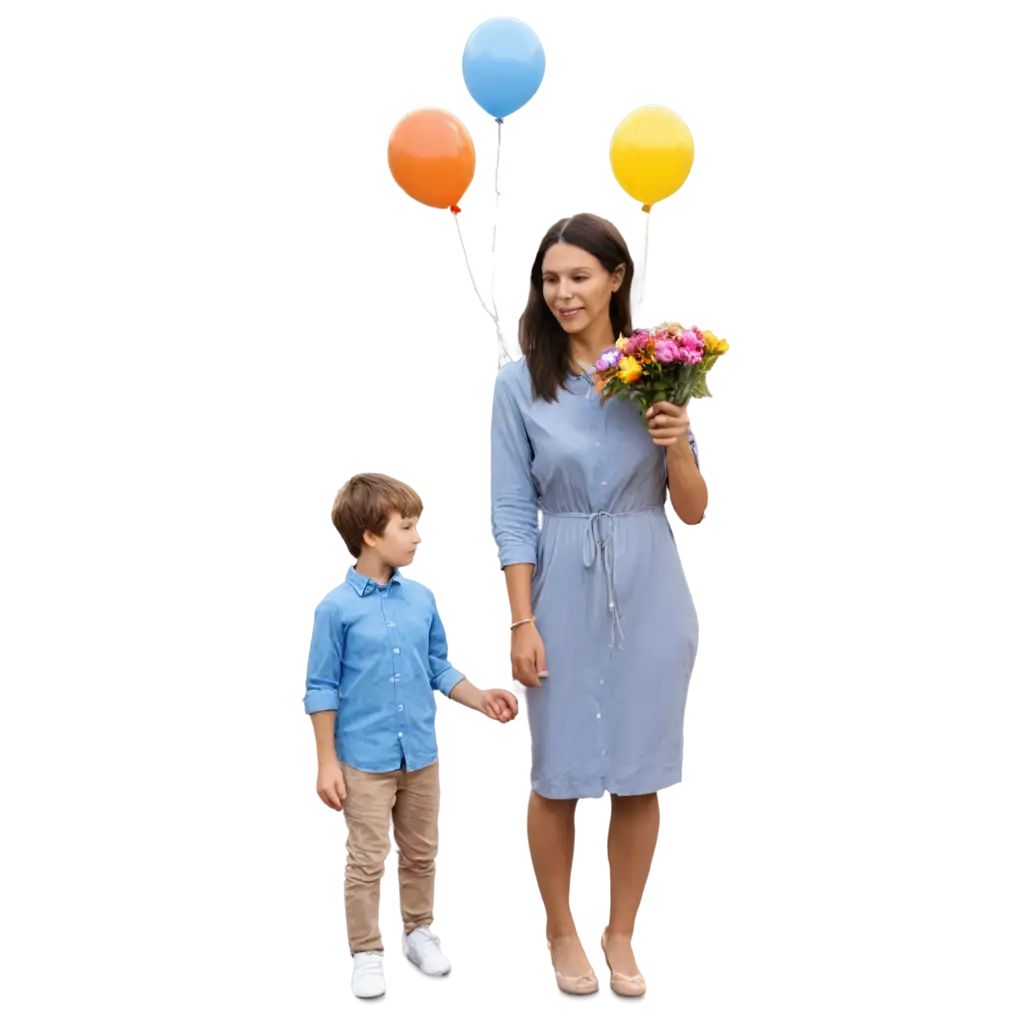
(621, 343)
(714, 346)
(629, 369)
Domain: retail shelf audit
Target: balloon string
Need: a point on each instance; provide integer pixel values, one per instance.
(646, 232)
(498, 187)
(503, 356)
(495, 276)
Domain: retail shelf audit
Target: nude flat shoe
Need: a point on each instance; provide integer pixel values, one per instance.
(623, 984)
(581, 985)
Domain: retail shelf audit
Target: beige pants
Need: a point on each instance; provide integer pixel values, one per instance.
(411, 800)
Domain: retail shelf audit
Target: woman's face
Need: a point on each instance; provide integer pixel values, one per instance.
(577, 289)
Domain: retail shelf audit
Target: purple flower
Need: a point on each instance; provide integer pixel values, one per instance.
(609, 358)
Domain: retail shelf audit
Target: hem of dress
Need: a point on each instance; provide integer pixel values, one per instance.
(575, 789)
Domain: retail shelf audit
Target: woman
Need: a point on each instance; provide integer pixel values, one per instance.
(604, 631)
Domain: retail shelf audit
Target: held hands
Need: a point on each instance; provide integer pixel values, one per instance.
(498, 705)
(529, 662)
(669, 424)
(330, 785)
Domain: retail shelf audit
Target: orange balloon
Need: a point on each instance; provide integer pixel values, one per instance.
(432, 158)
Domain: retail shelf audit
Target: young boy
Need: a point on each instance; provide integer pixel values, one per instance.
(377, 654)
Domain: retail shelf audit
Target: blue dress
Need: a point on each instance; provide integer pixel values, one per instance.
(611, 600)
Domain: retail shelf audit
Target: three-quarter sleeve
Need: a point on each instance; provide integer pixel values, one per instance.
(513, 497)
(693, 448)
(323, 670)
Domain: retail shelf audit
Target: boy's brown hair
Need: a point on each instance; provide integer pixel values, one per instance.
(366, 502)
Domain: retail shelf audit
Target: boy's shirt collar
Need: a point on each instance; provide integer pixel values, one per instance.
(363, 585)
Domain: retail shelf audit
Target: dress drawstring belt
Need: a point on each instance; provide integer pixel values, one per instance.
(595, 545)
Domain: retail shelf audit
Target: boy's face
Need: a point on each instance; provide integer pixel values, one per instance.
(397, 545)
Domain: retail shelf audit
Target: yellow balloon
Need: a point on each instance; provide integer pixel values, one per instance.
(651, 153)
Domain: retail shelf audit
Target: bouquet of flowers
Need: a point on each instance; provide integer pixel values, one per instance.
(665, 364)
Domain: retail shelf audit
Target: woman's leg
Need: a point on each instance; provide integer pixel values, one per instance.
(551, 829)
(632, 837)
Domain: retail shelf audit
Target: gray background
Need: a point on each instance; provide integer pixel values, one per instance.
(199, 266)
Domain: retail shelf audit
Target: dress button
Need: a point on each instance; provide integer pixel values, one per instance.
(401, 707)
(599, 714)
(604, 753)
(602, 682)
(604, 483)
(400, 735)
(391, 625)
(396, 650)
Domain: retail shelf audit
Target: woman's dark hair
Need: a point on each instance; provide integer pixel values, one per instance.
(541, 338)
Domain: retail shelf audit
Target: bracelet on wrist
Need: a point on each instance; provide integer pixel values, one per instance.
(523, 622)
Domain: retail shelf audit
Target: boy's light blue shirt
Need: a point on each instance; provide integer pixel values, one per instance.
(377, 655)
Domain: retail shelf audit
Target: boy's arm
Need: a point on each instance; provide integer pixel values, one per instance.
(450, 680)
(466, 694)
(443, 676)
(500, 705)
(323, 678)
(323, 730)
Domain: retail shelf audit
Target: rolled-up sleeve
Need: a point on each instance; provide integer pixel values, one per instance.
(513, 497)
(443, 676)
(323, 671)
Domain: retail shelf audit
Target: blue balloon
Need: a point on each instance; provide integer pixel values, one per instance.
(503, 65)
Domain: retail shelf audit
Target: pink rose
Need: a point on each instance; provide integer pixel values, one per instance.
(666, 351)
(637, 342)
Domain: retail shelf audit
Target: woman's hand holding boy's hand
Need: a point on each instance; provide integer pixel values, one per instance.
(330, 784)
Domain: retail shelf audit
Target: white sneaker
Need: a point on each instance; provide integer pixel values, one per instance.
(423, 948)
(368, 975)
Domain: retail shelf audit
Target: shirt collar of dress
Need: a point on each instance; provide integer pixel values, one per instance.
(363, 585)
(580, 383)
